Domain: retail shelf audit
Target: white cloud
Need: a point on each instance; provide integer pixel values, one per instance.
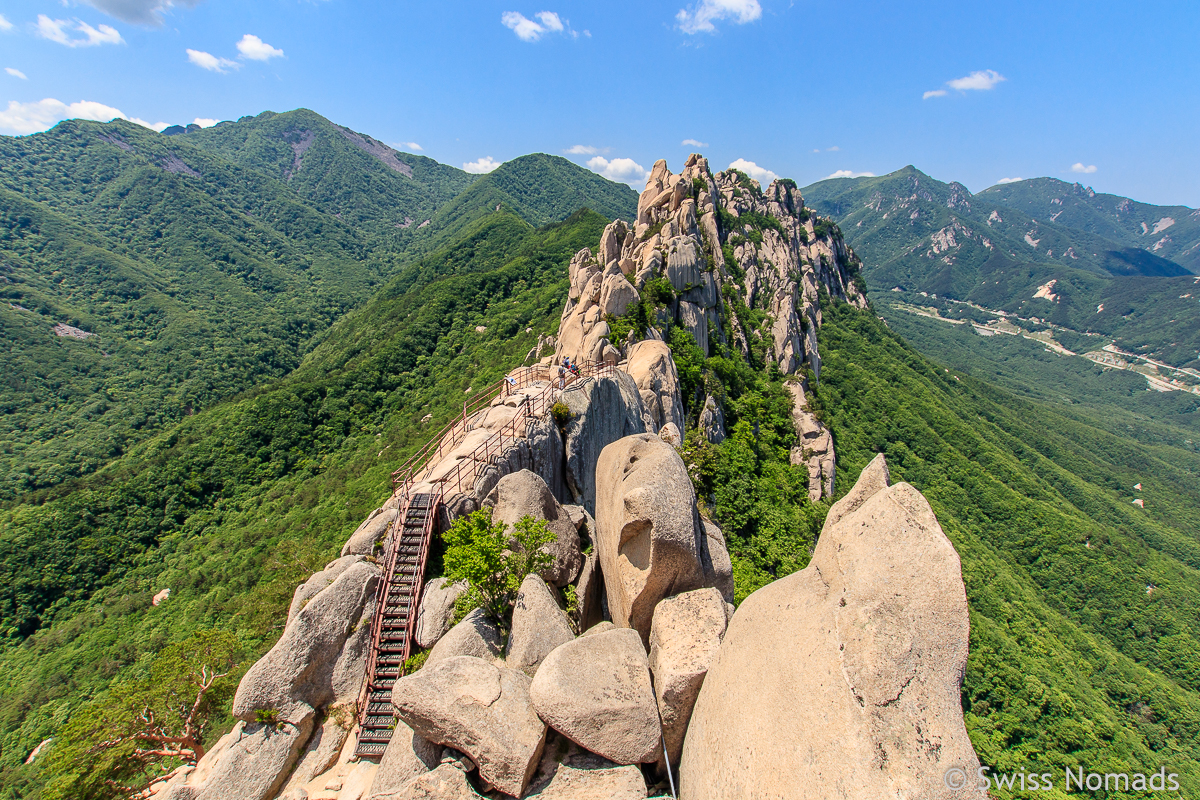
(204, 122)
(693, 143)
(139, 12)
(700, 17)
(410, 146)
(530, 30)
(1079, 167)
(980, 80)
(584, 150)
(154, 126)
(210, 62)
(16, 73)
(834, 149)
(482, 166)
(26, 118)
(549, 20)
(622, 170)
(761, 174)
(846, 173)
(256, 49)
(1009, 180)
(56, 30)
(5, 25)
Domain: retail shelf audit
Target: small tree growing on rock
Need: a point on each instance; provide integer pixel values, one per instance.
(118, 744)
(494, 561)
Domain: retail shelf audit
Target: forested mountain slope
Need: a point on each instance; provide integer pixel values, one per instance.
(918, 235)
(1084, 607)
(367, 184)
(182, 270)
(1169, 231)
(230, 508)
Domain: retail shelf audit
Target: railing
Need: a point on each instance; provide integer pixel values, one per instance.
(454, 432)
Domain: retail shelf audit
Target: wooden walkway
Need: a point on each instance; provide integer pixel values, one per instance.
(408, 539)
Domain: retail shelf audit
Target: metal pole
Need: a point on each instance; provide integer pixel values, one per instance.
(667, 761)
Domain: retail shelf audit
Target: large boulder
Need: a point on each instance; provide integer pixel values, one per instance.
(602, 411)
(857, 662)
(437, 610)
(596, 691)
(651, 542)
(571, 782)
(476, 636)
(255, 765)
(538, 626)
(446, 782)
(407, 756)
(524, 493)
(650, 365)
(684, 641)
(305, 670)
(362, 542)
(480, 709)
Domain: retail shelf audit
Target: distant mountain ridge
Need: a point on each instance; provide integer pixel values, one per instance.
(919, 235)
(207, 262)
(1172, 232)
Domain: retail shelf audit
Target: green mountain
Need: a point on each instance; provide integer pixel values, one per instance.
(1172, 232)
(182, 270)
(348, 175)
(540, 189)
(1085, 608)
(921, 238)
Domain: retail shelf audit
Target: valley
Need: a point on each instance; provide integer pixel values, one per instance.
(273, 336)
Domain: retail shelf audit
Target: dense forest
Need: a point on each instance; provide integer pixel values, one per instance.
(262, 363)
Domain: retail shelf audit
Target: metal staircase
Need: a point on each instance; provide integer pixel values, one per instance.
(395, 620)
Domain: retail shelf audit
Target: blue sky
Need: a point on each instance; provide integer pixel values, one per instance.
(967, 91)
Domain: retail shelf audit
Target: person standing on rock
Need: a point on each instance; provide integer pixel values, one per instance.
(562, 377)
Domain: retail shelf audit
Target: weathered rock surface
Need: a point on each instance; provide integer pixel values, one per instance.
(602, 411)
(712, 421)
(874, 478)
(684, 640)
(538, 626)
(301, 672)
(362, 541)
(321, 753)
(446, 782)
(255, 765)
(650, 365)
(589, 592)
(857, 662)
(437, 610)
(651, 542)
(814, 446)
(407, 756)
(612, 783)
(475, 636)
(525, 493)
(481, 709)
(596, 691)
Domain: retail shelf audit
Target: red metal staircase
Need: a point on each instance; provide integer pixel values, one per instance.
(395, 619)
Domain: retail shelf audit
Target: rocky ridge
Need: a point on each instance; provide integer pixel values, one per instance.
(705, 252)
(604, 701)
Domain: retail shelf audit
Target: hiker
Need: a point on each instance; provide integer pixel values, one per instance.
(562, 377)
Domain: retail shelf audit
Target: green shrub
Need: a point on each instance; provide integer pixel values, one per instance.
(561, 413)
(415, 661)
(493, 561)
